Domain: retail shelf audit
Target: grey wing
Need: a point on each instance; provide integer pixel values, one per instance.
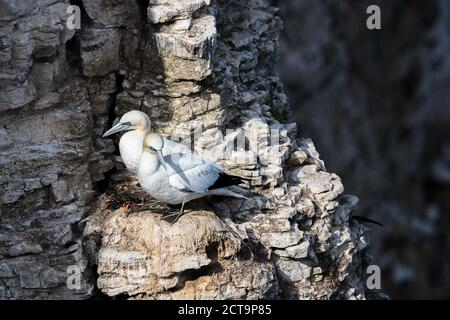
(183, 161)
(197, 179)
(172, 147)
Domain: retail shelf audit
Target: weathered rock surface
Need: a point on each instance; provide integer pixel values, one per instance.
(197, 68)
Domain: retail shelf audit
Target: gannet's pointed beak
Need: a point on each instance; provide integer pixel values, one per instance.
(161, 159)
(117, 128)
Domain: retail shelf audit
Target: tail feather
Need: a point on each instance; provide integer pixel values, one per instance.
(226, 192)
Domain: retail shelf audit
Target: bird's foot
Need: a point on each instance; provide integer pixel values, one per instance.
(176, 218)
(177, 215)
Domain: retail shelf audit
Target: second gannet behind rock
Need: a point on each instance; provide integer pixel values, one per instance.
(180, 177)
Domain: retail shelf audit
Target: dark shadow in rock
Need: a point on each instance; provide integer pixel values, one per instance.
(258, 251)
(241, 210)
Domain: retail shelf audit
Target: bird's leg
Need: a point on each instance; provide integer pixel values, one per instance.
(179, 214)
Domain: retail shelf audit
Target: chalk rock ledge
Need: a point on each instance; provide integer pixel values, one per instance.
(199, 257)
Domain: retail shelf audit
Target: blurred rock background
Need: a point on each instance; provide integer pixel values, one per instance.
(377, 105)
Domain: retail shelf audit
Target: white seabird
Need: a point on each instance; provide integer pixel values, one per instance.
(138, 125)
(180, 177)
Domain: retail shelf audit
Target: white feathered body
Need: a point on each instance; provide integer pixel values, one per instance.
(187, 177)
(130, 147)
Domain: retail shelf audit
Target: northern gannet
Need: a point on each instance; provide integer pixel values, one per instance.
(138, 125)
(180, 177)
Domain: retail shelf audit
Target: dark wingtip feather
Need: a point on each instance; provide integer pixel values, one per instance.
(366, 220)
(226, 180)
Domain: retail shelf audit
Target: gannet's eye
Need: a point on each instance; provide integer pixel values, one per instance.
(152, 149)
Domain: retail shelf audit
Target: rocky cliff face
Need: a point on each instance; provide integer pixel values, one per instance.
(197, 68)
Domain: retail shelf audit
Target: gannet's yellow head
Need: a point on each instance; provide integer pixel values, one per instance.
(153, 141)
(154, 144)
(132, 120)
